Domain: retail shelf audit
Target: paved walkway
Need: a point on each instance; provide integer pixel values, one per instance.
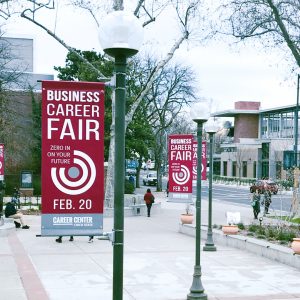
(158, 263)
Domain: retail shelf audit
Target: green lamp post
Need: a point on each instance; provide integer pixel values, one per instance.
(121, 36)
(211, 127)
(199, 114)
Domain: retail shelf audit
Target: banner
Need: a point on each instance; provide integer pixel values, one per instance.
(1, 162)
(180, 167)
(72, 158)
(203, 161)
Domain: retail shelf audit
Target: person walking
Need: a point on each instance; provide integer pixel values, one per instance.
(256, 203)
(267, 201)
(149, 199)
(59, 239)
(167, 190)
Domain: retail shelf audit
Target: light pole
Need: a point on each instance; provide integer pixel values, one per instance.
(211, 127)
(120, 37)
(199, 114)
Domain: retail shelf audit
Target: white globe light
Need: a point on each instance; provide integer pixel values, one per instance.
(200, 111)
(121, 30)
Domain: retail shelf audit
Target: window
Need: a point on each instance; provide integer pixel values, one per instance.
(265, 147)
(225, 168)
(244, 169)
(233, 172)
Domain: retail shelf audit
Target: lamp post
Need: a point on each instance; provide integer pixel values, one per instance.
(211, 127)
(120, 37)
(199, 114)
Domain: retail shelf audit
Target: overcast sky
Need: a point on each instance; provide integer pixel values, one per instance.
(224, 75)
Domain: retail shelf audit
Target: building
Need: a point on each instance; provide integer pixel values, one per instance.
(19, 84)
(261, 140)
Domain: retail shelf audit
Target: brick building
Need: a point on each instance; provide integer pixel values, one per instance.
(261, 136)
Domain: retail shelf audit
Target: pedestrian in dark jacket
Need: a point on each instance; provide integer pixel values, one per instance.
(11, 212)
(266, 201)
(149, 199)
(256, 203)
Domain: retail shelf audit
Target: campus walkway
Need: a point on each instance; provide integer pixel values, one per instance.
(158, 263)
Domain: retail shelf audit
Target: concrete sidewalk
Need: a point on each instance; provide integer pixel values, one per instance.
(158, 263)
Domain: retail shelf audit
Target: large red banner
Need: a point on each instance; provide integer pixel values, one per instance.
(2, 162)
(72, 155)
(203, 161)
(180, 163)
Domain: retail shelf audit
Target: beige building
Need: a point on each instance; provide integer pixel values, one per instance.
(260, 139)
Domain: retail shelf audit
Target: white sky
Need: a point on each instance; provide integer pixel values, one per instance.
(224, 76)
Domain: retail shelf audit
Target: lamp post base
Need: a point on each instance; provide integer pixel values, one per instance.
(197, 290)
(208, 247)
(195, 296)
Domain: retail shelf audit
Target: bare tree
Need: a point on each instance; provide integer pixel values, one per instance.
(148, 11)
(275, 23)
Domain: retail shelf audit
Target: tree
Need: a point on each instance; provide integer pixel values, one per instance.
(13, 113)
(173, 90)
(186, 12)
(275, 23)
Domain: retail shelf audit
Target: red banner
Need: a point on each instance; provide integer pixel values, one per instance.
(72, 154)
(180, 163)
(203, 160)
(2, 162)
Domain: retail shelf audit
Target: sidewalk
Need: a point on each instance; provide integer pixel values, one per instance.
(158, 263)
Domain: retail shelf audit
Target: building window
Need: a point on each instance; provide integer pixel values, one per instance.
(225, 168)
(244, 169)
(233, 171)
(265, 149)
(265, 169)
(254, 169)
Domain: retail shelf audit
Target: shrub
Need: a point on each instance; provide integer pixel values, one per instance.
(253, 228)
(129, 187)
(241, 226)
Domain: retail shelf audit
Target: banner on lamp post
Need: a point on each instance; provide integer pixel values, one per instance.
(1, 162)
(180, 167)
(72, 158)
(203, 161)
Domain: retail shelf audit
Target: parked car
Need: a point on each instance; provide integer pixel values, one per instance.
(130, 171)
(263, 185)
(150, 179)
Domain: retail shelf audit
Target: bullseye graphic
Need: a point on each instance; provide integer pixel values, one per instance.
(181, 177)
(195, 170)
(78, 178)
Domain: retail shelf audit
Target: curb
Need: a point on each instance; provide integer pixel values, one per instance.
(262, 248)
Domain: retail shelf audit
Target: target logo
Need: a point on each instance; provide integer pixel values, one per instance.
(181, 177)
(78, 178)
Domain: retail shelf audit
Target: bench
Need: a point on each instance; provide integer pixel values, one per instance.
(137, 209)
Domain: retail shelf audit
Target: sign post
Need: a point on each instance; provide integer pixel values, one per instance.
(180, 167)
(72, 158)
(203, 161)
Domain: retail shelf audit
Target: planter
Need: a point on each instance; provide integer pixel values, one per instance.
(230, 229)
(296, 245)
(186, 218)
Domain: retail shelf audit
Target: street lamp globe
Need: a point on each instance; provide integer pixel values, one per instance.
(200, 112)
(121, 31)
(211, 126)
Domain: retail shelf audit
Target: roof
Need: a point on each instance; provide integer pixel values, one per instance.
(234, 112)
